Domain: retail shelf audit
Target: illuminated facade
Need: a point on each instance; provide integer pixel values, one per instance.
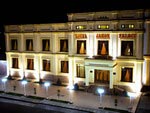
(109, 48)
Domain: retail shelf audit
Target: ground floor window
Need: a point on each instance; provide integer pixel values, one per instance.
(102, 76)
(64, 67)
(14, 62)
(80, 71)
(30, 64)
(126, 74)
(46, 65)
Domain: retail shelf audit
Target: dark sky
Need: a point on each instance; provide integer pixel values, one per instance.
(48, 11)
(42, 11)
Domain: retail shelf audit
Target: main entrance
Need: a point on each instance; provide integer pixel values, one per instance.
(102, 76)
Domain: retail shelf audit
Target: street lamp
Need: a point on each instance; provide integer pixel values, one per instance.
(70, 88)
(24, 82)
(131, 95)
(4, 81)
(100, 91)
(46, 84)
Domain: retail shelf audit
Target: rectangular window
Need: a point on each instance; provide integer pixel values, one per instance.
(81, 27)
(30, 64)
(80, 71)
(81, 46)
(126, 48)
(126, 74)
(29, 45)
(46, 65)
(14, 44)
(64, 67)
(64, 45)
(14, 62)
(45, 44)
(103, 26)
(103, 47)
(126, 26)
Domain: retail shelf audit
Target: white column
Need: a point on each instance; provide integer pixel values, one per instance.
(71, 44)
(22, 43)
(86, 76)
(71, 71)
(114, 45)
(8, 63)
(22, 62)
(138, 76)
(7, 42)
(90, 44)
(147, 70)
(55, 65)
(139, 46)
(147, 38)
(37, 42)
(36, 65)
(111, 79)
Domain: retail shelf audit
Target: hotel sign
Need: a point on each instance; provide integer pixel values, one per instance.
(103, 36)
(127, 35)
(79, 36)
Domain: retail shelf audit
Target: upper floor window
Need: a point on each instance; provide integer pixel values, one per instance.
(29, 45)
(126, 74)
(103, 47)
(46, 65)
(81, 27)
(130, 26)
(64, 66)
(30, 64)
(64, 45)
(14, 44)
(45, 44)
(80, 71)
(126, 48)
(81, 46)
(103, 26)
(14, 62)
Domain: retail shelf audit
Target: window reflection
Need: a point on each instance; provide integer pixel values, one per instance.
(64, 45)
(29, 45)
(127, 48)
(81, 47)
(103, 48)
(14, 62)
(46, 65)
(30, 64)
(80, 71)
(45, 45)
(14, 44)
(126, 74)
(64, 67)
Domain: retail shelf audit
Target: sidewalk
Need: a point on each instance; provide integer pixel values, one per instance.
(79, 98)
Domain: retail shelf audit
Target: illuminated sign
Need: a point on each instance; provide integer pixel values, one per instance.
(78, 36)
(127, 35)
(103, 36)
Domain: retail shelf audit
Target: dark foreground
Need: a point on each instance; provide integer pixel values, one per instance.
(15, 106)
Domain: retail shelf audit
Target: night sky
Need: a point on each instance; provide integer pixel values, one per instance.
(42, 11)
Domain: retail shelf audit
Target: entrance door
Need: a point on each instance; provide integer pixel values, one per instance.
(102, 76)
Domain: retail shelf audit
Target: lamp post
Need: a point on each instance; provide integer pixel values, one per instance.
(4, 81)
(46, 84)
(131, 95)
(100, 91)
(70, 88)
(24, 82)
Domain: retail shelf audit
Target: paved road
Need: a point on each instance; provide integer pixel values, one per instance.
(144, 104)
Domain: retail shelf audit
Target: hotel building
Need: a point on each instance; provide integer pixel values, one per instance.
(103, 48)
